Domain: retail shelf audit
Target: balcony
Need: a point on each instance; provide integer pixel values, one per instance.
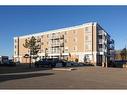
(100, 41)
(100, 49)
(111, 41)
(62, 44)
(111, 48)
(38, 40)
(100, 32)
(55, 44)
(61, 36)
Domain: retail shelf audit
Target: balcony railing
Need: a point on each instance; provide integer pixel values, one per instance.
(57, 44)
(100, 41)
(111, 48)
(100, 32)
(100, 49)
(111, 41)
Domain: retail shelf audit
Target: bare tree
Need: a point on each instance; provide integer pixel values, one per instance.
(32, 46)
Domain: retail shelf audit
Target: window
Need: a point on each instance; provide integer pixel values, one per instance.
(88, 47)
(65, 40)
(15, 46)
(42, 43)
(47, 36)
(41, 36)
(100, 45)
(65, 32)
(86, 37)
(100, 37)
(75, 40)
(87, 29)
(15, 52)
(15, 40)
(74, 31)
(38, 37)
(75, 48)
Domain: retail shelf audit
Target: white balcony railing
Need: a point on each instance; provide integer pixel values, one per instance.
(101, 41)
(100, 32)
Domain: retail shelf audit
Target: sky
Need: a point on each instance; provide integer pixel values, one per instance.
(22, 20)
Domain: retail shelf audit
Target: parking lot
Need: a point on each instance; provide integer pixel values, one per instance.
(84, 77)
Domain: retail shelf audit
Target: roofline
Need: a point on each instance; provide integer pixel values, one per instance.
(57, 30)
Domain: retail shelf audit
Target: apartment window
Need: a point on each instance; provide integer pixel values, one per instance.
(15, 52)
(88, 47)
(75, 48)
(65, 33)
(15, 46)
(87, 29)
(74, 31)
(75, 40)
(41, 36)
(87, 38)
(38, 37)
(42, 43)
(100, 46)
(15, 40)
(65, 40)
(47, 36)
(100, 36)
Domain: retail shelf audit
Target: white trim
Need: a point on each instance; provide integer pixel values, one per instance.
(58, 54)
(41, 54)
(18, 56)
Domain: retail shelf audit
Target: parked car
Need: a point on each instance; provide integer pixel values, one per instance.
(48, 62)
(64, 62)
(11, 63)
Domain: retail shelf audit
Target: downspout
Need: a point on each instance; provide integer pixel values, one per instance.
(92, 45)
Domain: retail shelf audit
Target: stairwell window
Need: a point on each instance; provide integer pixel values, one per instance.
(87, 29)
(65, 40)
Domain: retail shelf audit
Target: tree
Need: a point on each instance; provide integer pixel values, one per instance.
(123, 54)
(33, 48)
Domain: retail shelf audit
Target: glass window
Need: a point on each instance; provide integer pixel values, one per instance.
(15, 46)
(15, 52)
(65, 33)
(65, 40)
(15, 40)
(86, 29)
(74, 31)
(75, 40)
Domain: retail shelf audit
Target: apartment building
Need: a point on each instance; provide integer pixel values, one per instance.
(88, 43)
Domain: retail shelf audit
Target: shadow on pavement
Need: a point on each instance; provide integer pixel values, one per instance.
(20, 68)
(22, 76)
